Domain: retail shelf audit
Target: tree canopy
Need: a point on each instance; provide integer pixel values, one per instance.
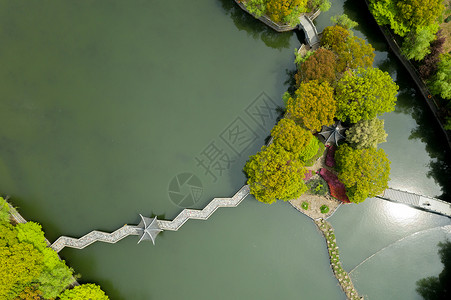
(365, 93)
(364, 172)
(366, 133)
(416, 44)
(313, 105)
(285, 10)
(343, 21)
(292, 137)
(21, 263)
(274, 173)
(404, 16)
(83, 292)
(352, 52)
(440, 83)
(321, 66)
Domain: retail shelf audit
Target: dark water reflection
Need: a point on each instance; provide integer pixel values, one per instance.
(255, 28)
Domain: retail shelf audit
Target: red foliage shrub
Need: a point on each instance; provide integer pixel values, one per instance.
(336, 188)
(330, 156)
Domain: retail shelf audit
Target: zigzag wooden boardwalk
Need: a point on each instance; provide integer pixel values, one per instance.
(418, 201)
(174, 225)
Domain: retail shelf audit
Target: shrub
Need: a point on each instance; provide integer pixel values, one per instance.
(318, 186)
(324, 209)
(304, 205)
(337, 188)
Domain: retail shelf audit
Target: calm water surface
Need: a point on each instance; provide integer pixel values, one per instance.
(104, 102)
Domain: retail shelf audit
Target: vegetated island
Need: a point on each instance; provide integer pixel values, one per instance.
(30, 269)
(336, 88)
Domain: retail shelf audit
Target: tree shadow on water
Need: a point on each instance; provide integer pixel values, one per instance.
(438, 287)
(254, 28)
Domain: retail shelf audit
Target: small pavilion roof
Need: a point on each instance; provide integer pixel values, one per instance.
(332, 133)
(149, 228)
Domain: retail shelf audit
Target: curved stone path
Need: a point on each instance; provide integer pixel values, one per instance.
(174, 225)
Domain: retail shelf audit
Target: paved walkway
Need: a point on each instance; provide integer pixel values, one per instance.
(174, 225)
(418, 201)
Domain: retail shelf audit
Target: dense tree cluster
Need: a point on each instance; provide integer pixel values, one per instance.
(415, 20)
(337, 81)
(29, 268)
(404, 16)
(284, 11)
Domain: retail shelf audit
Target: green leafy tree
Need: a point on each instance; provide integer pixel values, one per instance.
(343, 21)
(313, 104)
(404, 16)
(4, 211)
(364, 172)
(292, 137)
(20, 264)
(310, 150)
(31, 232)
(366, 133)
(300, 59)
(416, 44)
(322, 5)
(55, 275)
(353, 52)
(30, 292)
(256, 7)
(320, 66)
(440, 84)
(365, 93)
(285, 11)
(83, 292)
(273, 174)
(419, 13)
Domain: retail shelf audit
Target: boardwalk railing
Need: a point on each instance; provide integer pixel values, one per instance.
(174, 225)
(418, 201)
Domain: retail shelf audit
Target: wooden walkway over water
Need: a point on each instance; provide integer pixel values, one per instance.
(417, 201)
(174, 225)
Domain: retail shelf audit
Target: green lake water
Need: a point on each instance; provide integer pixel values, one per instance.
(104, 102)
